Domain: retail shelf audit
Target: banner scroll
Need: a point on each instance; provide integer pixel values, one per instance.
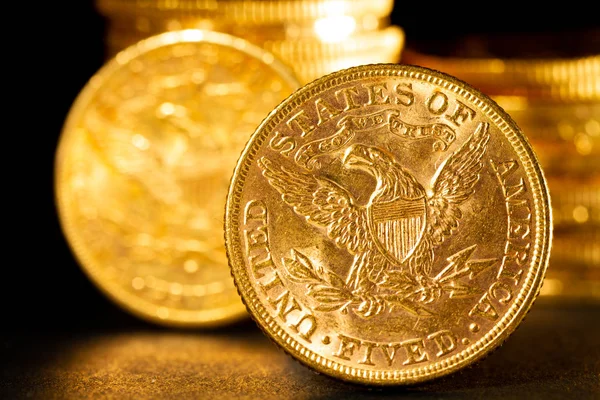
(350, 126)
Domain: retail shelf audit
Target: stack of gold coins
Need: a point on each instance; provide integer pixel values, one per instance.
(314, 37)
(555, 98)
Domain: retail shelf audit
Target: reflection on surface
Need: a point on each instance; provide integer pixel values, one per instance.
(554, 353)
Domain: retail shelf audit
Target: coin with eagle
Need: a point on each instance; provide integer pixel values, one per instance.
(388, 224)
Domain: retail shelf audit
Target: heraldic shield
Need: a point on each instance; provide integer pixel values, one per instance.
(397, 226)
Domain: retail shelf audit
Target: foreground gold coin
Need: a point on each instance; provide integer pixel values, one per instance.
(388, 224)
(143, 166)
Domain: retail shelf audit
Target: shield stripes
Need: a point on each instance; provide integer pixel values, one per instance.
(398, 226)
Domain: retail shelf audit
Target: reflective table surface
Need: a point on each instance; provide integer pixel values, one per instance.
(554, 354)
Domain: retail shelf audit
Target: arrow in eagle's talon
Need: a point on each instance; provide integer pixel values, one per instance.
(419, 311)
(457, 291)
(411, 307)
(460, 266)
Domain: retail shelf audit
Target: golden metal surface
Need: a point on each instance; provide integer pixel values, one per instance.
(257, 11)
(565, 135)
(565, 283)
(390, 39)
(508, 72)
(143, 165)
(566, 164)
(328, 29)
(575, 203)
(306, 69)
(570, 80)
(578, 248)
(571, 128)
(388, 224)
(314, 37)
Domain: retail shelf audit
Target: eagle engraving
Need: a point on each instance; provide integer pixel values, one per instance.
(393, 237)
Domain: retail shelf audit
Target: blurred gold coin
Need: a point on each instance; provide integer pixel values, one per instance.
(512, 71)
(552, 113)
(143, 166)
(577, 248)
(389, 38)
(330, 29)
(570, 128)
(388, 224)
(307, 71)
(567, 166)
(323, 59)
(253, 11)
(565, 282)
(575, 202)
(564, 79)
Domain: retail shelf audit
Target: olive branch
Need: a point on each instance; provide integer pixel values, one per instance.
(324, 286)
(331, 293)
(400, 289)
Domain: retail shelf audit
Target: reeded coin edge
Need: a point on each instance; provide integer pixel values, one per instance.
(390, 36)
(250, 11)
(510, 320)
(135, 305)
(534, 71)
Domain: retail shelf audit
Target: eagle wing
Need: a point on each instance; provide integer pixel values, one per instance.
(454, 184)
(323, 203)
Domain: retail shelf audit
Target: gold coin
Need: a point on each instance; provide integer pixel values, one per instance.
(575, 203)
(116, 41)
(388, 224)
(568, 166)
(570, 128)
(333, 29)
(569, 80)
(143, 166)
(307, 71)
(577, 247)
(565, 286)
(564, 161)
(329, 29)
(257, 11)
(575, 142)
(549, 113)
(139, 27)
(566, 279)
(511, 71)
(578, 90)
(582, 147)
(390, 38)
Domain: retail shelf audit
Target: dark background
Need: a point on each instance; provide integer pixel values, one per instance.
(44, 287)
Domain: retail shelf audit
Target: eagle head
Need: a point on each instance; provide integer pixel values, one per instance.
(365, 158)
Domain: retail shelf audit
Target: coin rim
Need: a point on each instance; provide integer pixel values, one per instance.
(129, 301)
(496, 335)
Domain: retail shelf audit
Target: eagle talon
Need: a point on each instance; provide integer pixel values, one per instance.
(429, 290)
